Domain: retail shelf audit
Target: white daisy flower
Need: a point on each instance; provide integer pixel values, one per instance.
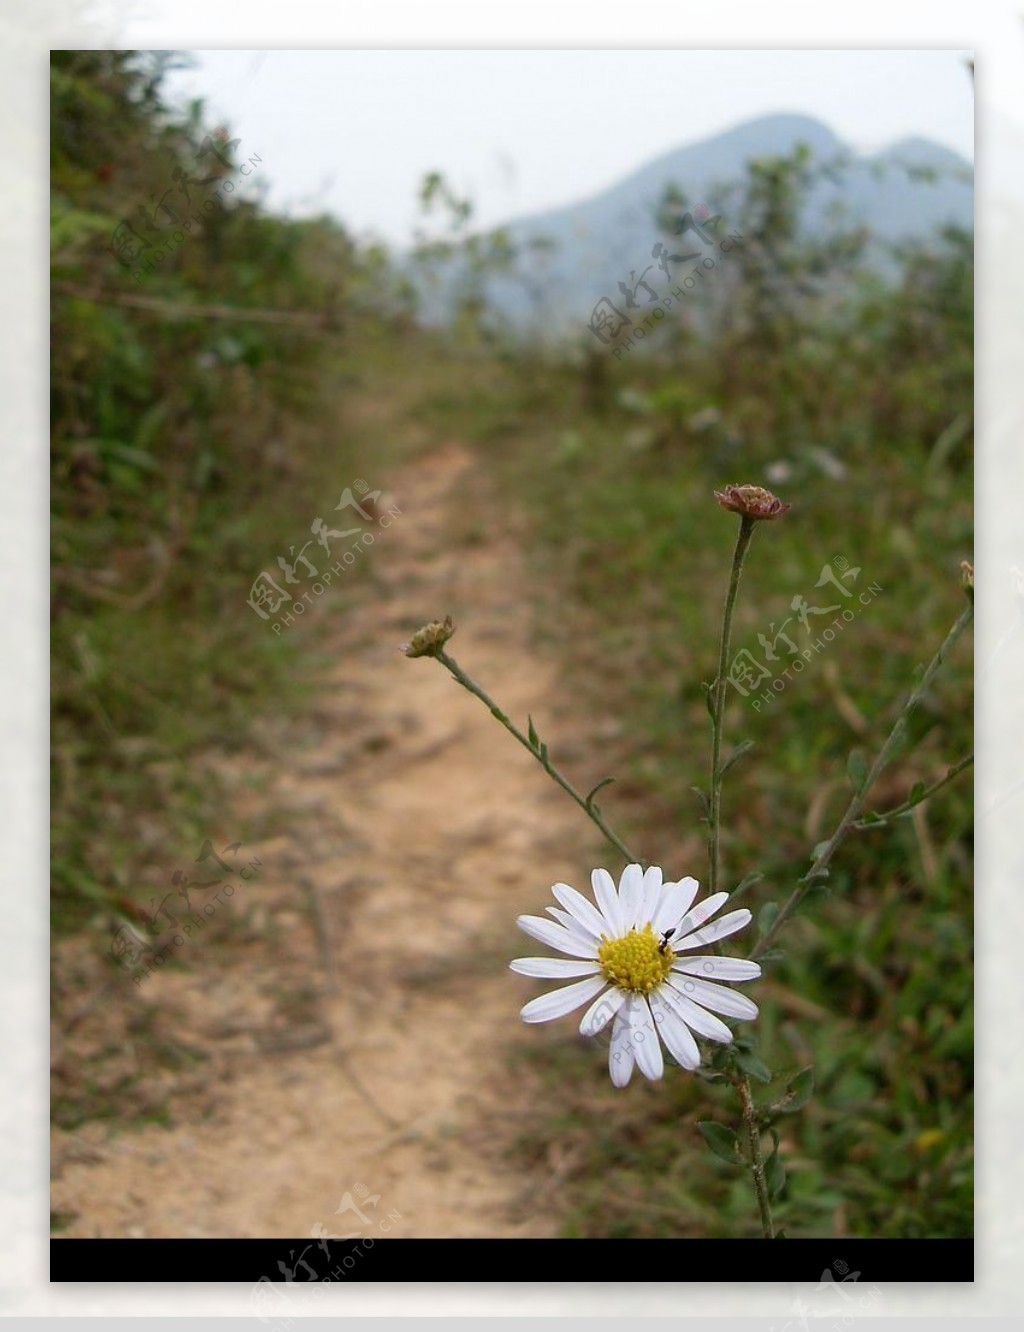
(631, 955)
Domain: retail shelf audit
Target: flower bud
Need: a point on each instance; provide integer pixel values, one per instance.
(967, 578)
(751, 502)
(428, 641)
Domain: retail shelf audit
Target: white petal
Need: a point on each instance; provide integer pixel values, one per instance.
(601, 1011)
(675, 902)
(674, 1032)
(709, 967)
(719, 998)
(651, 897)
(559, 1002)
(552, 968)
(646, 1045)
(696, 1018)
(620, 1052)
(719, 929)
(699, 914)
(554, 936)
(582, 911)
(631, 892)
(573, 926)
(608, 900)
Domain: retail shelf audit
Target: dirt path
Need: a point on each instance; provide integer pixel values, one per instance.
(343, 1026)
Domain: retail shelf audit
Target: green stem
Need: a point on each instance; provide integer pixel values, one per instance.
(742, 1084)
(718, 689)
(907, 805)
(539, 752)
(718, 703)
(819, 869)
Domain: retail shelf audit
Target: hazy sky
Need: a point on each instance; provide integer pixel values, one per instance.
(519, 131)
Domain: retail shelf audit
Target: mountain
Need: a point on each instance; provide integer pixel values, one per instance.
(903, 193)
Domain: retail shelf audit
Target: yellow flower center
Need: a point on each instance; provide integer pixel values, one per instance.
(638, 962)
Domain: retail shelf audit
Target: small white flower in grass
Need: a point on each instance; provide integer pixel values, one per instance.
(631, 955)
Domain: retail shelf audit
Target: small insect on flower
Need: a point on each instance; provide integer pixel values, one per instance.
(651, 990)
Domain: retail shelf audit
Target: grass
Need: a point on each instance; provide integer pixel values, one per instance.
(874, 988)
(629, 554)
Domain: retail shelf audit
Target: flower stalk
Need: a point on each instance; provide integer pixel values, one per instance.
(753, 504)
(718, 702)
(539, 752)
(756, 1155)
(819, 867)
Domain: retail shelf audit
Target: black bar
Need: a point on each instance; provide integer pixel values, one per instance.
(460, 1260)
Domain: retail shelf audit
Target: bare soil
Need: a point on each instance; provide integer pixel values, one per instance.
(344, 1023)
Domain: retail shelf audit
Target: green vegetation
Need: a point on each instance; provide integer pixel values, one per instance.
(197, 431)
(191, 448)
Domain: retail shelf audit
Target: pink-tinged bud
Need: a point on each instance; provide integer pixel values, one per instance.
(428, 641)
(967, 578)
(751, 502)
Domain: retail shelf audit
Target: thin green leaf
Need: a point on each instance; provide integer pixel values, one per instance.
(752, 1065)
(744, 747)
(532, 735)
(748, 881)
(722, 1141)
(605, 781)
(775, 1174)
(857, 769)
(766, 917)
(798, 1092)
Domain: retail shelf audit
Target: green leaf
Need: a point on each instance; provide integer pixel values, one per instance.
(772, 955)
(748, 881)
(916, 792)
(744, 747)
(798, 1092)
(603, 782)
(709, 698)
(857, 769)
(532, 735)
(766, 917)
(703, 801)
(752, 1065)
(775, 1174)
(819, 850)
(722, 1141)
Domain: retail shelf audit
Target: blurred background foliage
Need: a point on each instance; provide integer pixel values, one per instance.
(189, 446)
